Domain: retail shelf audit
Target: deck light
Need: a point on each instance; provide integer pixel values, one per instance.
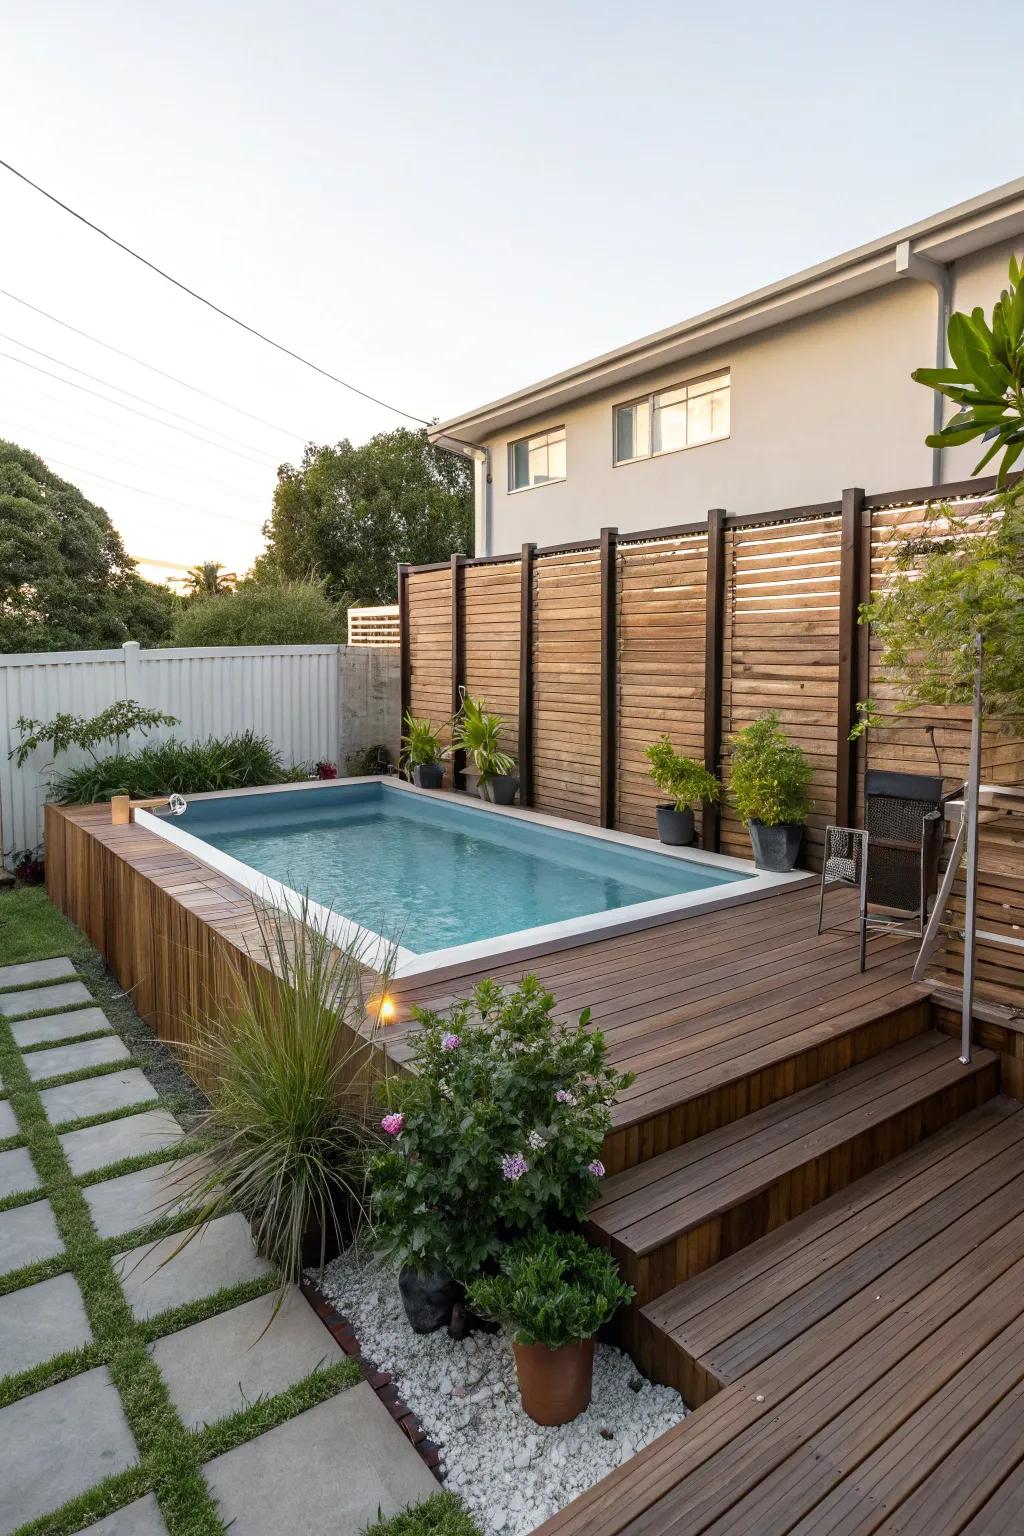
(384, 1009)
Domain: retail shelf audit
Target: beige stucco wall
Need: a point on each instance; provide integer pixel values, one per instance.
(818, 404)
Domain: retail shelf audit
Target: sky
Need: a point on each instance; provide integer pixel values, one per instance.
(438, 203)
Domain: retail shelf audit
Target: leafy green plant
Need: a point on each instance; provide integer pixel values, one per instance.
(498, 1126)
(987, 379)
(367, 760)
(477, 733)
(268, 612)
(421, 745)
(771, 776)
(65, 731)
(287, 1071)
(552, 1288)
(169, 767)
(684, 780)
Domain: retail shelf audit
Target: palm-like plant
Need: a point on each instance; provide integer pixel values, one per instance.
(209, 579)
(477, 734)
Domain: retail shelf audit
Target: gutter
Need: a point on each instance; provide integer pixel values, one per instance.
(921, 269)
(482, 480)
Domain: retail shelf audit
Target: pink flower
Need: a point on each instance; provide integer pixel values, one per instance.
(563, 1096)
(513, 1166)
(450, 1042)
(392, 1124)
(596, 1168)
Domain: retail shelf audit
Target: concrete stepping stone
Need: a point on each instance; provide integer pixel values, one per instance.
(221, 1365)
(57, 1443)
(74, 1058)
(34, 970)
(143, 1518)
(222, 1254)
(8, 1120)
(61, 995)
(59, 1026)
(17, 1172)
(40, 1321)
(324, 1473)
(97, 1095)
(96, 1146)
(135, 1199)
(28, 1234)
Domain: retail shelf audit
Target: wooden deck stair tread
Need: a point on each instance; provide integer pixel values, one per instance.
(643, 1207)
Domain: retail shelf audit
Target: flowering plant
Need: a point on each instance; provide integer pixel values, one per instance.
(502, 1122)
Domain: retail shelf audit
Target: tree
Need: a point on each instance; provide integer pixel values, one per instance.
(267, 612)
(209, 579)
(66, 581)
(349, 515)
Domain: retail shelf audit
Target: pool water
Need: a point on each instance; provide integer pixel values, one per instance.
(430, 874)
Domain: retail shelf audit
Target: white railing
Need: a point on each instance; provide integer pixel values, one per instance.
(314, 702)
(373, 626)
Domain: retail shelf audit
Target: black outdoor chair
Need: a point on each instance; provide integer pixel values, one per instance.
(893, 861)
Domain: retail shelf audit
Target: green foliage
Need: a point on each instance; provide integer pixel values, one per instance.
(771, 776)
(64, 731)
(686, 781)
(478, 734)
(421, 744)
(552, 1288)
(181, 767)
(209, 579)
(277, 612)
(66, 581)
(351, 514)
(498, 1129)
(443, 1514)
(962, 577)
(289, 1125)
(987, 379)
(367, 760)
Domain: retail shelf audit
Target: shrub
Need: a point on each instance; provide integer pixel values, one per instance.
(478, 734)
(443, 1514)
(113, 724)
(169, 767)
(498, 1128)
(686, 781)
(421, 744)
(551, 1289)
(770, 775)
(263, 613)
(367, 760)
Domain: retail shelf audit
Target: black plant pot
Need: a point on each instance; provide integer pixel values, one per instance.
(500, 789)
(428, 1297)
(776, 848)
(674, 827)
(428, 775)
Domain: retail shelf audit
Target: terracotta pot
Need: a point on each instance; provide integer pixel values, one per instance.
(555, 1384)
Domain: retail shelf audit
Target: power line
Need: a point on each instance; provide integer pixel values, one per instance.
(222, 447)
(189, 506)
(260, 335)
(61, 363)
(184, 384)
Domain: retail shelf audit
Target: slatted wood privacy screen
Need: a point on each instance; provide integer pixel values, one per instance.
(619, 639)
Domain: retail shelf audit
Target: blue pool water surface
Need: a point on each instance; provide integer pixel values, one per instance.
(429, 874)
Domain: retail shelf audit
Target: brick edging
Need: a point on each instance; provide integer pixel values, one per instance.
(344, 1335)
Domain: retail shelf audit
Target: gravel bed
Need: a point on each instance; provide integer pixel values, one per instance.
(511, 1472)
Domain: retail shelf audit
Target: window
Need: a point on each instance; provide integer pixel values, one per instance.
(536, 460)
(681, 417)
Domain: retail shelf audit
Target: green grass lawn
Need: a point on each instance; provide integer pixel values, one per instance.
(31, 928)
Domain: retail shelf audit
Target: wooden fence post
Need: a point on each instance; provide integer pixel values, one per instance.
(405, 670)
(458, 658)
(849, 597)
(526, 674)
(609, 664)
(714, 626)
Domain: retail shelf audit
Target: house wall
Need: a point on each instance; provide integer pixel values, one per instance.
(818, 404)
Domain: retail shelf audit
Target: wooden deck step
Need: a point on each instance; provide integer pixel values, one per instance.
(677, 1214)
(712, 1329)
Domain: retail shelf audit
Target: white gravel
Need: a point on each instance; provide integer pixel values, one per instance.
(511, 1472)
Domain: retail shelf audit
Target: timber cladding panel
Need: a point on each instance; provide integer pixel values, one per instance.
(567, 685)
(429, 598)
(491, 603)
(660, 591)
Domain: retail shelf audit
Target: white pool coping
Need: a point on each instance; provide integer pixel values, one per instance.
(403, 967)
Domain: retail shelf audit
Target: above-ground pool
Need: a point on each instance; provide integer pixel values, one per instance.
(445, 879)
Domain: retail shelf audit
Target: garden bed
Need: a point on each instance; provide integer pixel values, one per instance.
(511, 1472)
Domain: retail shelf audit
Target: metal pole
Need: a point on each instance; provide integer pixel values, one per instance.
(971, 812)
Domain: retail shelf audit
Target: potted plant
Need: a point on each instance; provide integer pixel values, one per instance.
(422, 755)
(478, 734)
(687, 783)
(496, 1129)
(552, 1293)
(770, 786)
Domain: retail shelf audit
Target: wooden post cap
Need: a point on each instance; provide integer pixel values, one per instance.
(120, 810)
